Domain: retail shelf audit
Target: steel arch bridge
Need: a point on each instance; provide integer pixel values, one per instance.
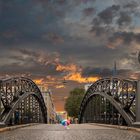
(110, 101)
(21, 102)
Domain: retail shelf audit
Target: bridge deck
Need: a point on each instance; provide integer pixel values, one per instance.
(76, 132)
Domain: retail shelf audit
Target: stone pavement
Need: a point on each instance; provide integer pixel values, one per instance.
(75, 132)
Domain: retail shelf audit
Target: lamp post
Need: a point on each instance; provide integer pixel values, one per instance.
(139, 57)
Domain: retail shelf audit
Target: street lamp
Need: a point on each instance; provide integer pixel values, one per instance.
(137, 123)
(139, 57)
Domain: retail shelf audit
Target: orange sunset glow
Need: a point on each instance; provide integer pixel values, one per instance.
(78, 78)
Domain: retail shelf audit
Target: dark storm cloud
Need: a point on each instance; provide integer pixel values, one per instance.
(53, 38)
(27, 21)
(124, 19)
(90, 71)
(131, 5)
(85, 1)
(104, 19)
(33, 62)
(90, 55)
(107, 15)
(61, 1)
(117, 24)
(29, 53)
(106, 72)
(126, 37)
(99, 30)
(118, 16)
(42, 24)
(128, 74)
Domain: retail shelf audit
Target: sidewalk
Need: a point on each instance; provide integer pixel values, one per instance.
(118, 127)
(9, 128)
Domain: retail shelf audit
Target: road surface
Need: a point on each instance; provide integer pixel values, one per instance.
(75, 132)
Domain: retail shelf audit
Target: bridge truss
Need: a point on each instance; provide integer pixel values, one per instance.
(21, 102)
(110, 101)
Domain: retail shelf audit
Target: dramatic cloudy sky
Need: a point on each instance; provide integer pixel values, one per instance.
(75, 40)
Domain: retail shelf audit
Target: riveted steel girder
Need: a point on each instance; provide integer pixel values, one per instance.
(120, 93)
(22, 96)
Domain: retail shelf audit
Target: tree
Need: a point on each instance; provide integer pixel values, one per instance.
(73, 102)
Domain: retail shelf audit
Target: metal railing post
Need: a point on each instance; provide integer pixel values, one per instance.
(137, 123)
(138, 102)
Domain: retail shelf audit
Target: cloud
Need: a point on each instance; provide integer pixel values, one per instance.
(77, 76)
(89, 11)
(100, 30)
(39, 64)
(116, 24)
(124, 72)
(98, 72)
(122, 39)
(125, 19)
(120, 17)
(44, 68)
(74, 73)
(86, 1)
(112, 18)
(131, 5)
(59, 86)
(53, 38)
(11, 34)
(107, 15)
(61, 1)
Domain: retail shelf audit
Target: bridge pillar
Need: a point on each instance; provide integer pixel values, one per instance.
(137, 123)
(138, 102)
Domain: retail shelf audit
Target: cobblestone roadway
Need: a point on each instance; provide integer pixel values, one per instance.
(76, 132)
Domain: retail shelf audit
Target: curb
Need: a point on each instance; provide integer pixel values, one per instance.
(118, 127)
(16, 127)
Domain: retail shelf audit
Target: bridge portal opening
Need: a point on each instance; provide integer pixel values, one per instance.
(99, 110)
(28, 111)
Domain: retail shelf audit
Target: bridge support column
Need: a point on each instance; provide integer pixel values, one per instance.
(137, 123)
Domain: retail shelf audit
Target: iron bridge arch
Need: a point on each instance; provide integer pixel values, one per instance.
(111, 101)
(21, 102)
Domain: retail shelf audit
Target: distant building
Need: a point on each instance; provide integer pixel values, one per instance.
(62, 115)
(115, 69)
(51, 112)
(87, 86)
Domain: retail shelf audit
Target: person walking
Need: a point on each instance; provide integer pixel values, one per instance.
(65, 123)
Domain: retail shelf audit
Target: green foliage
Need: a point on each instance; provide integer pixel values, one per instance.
(73, 102)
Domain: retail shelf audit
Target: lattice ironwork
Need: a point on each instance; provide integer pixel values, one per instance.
(110, 100)
(21, 102)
